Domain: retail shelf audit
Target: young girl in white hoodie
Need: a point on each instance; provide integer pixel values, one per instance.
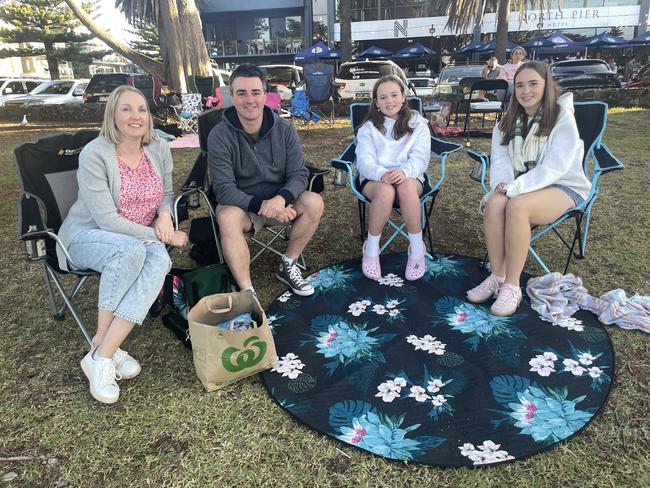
(536, 175)
(393, 151)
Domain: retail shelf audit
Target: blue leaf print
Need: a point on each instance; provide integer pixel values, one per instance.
(446, 305)
(505, 348)
(342, 413)
(506, 388)
(363, 377)
(429, 442)
(321, 323)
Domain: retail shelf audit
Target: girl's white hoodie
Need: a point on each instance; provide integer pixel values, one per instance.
(378, 153)
(559, 163)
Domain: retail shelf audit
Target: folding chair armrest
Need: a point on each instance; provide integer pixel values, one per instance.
(606, 160)
(479, 171)
(443, 148)
(342, 165)
(33, 235)
(316, 181)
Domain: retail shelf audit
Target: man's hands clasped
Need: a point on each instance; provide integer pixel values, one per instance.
(275, 208)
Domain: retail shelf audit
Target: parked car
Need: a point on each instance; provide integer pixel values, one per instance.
(356, 79)
(579, 74)
(642, 79)
(16, 87)
(222, 75)
(423, 86)
(451, 75)
(101, 85)
(283, 76)
(55, 92)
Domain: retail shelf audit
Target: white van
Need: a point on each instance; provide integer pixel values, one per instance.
(356, 79)
(16, 87)
(282, 76)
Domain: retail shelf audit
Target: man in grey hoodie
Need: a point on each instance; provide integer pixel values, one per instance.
(259, 177)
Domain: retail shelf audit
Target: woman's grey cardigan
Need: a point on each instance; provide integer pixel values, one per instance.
(99, 183)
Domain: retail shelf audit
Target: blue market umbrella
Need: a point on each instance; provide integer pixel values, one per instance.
(604, 39)
(536, 43)
(560, 44)
(413, 51)
(642, 39)
(373, 52)
(467, 49)
(332, 54)
(489, 47)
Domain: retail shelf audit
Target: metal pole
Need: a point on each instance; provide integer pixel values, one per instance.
(309, 24)
(331, 17)
(476, 34)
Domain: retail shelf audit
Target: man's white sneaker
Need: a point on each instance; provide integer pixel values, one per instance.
(101, 375)
(125, 364)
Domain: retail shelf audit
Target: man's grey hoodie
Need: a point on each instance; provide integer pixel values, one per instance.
(244, 173)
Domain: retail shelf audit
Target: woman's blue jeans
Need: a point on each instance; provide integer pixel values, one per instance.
(132, 271)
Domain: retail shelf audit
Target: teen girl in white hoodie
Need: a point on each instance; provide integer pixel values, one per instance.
(536, 175)
(393, 151)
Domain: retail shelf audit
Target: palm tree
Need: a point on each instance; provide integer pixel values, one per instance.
(464, 12)
(345, 18)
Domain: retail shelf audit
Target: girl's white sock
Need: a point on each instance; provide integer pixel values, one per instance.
(417, 244)
(372, 245)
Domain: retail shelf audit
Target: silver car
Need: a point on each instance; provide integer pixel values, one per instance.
(55, 92)
(16, 87)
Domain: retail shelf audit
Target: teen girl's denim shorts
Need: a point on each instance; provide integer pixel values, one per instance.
(577, 199)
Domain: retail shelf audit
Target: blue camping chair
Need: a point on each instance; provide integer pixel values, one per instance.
(591, 118)
(346, 163)
(299, 108)
(319, 89)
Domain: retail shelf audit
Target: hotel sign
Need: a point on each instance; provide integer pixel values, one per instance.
(567, 18)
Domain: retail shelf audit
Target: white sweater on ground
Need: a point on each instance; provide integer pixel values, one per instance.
(559, 163)
(379, 153)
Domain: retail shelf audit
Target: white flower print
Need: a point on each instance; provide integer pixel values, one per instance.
(392, 303)
(572, 366)
(595, 372)
(289, 365)
(428, 344)
(435, 385)
(586, 359)
(391, 389)
(366, 303)
(357, 308)
(391, 279)
(393, 313)
(487, 453)
(419, 394)
(438, 400)
(570, 324)
(285, 296)
(379, 309)
(543, 364)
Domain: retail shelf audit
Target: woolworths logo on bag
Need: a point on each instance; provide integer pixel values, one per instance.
(235, 360)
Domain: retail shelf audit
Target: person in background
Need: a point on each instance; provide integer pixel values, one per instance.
(508, 70)
(393, 151)
(492, 69)
(119, 226)
(536, 175)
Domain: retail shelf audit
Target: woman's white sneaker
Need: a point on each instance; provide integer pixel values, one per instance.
(101, 376)
(126, 365)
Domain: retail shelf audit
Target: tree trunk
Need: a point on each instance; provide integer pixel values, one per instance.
(194, 42)
(501, 36)
(150, 65)
(52, 62)
(345, 18)
(175, 69)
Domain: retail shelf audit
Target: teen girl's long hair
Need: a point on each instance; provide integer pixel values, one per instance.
(401, 127)
(551, 109)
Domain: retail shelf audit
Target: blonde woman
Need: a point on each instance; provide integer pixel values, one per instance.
(119, 226)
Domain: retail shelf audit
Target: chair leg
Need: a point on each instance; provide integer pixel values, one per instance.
(362, 220)
(576, 239)
(55, 310)
(69, 304)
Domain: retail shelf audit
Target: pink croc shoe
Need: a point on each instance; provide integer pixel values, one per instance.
(415, 267)
(507, 300)
(370, 265)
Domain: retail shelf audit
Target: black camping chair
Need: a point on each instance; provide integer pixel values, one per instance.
(462, 97)
(319, 88)
(492, 101)
(47, 170)
(591, 119)
(198, 183)
(346, 163)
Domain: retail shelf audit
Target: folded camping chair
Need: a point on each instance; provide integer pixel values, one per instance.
(188, 112)
(198, 182)
(462, 97)
(299, 108)
(591, 118)
(319, 89)
(496, 90)
(346, 163)
(47, 170)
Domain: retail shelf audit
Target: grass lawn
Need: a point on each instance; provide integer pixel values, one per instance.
(165, 431)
